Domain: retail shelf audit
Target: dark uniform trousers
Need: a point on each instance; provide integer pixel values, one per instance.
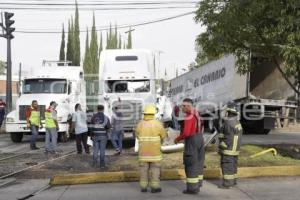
(230, 141)
(193, 160)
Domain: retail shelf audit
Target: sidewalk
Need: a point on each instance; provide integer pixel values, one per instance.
(248, 189)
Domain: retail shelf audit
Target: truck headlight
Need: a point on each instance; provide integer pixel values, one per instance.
(10, 119)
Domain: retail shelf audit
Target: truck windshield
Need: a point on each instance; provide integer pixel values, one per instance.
(34, 86)
(127, 86)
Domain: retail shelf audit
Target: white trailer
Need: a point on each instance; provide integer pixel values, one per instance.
(127, 79)
(217, 82)
(62, 84)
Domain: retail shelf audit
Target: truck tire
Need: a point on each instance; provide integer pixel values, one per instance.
(16, 137)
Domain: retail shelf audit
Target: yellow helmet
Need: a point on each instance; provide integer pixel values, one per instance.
(150, 109)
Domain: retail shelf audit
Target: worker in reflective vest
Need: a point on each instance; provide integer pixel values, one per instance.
(52, 128)
(230, 134)
(194, 154)
(33, 122)
(150, 134)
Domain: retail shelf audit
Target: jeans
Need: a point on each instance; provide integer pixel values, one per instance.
(81, 138)
(51, 139)
(117, 140)
(99, 144)
(34, 134)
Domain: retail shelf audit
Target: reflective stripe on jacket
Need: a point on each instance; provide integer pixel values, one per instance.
(150, 134)
(230, 140)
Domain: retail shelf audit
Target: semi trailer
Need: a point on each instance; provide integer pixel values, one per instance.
(261, 95)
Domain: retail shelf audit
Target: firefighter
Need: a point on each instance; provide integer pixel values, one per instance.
(194, 155)
(230, 134)
(34, 123)
(150, 134)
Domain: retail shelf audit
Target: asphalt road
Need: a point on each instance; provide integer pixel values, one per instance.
(272, 138)
(247, 189)
(7, 146)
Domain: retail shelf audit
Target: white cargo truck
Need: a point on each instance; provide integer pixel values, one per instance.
(217, 82)
(62, 84)
(127, 80)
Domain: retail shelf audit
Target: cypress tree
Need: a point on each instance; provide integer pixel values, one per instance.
(101, 45)
(115, 38)
(88, 70)
(76, 34)
(62, 55)
(120, 42)
(110, 36)
(70, 43)
(129, 42)
(87, 57)
(94, 48)
(107, 41)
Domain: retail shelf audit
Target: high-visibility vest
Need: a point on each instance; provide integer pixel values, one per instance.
(49, 121)
(150, 133)
(34, 118)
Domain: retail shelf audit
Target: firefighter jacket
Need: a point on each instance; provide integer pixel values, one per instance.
(150, 134)
(230, 137)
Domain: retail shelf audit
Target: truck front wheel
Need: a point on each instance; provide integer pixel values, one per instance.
(16, 137)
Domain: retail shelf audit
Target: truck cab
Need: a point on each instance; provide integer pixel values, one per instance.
(126, 80)
(62, 84)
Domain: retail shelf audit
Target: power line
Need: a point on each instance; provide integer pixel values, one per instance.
(94, 1)
(119, 27)
(98, 4)
(95, 9)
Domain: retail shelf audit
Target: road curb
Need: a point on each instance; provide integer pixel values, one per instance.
(177, 174)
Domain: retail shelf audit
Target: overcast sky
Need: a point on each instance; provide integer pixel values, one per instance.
(174, 38)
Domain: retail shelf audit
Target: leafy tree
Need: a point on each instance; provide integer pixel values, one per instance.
(269, 28)
(62, 54)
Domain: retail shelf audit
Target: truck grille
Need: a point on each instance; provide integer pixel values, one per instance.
(131, 111)
(23, 108)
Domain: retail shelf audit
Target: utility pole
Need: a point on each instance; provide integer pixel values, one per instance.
(8, 35)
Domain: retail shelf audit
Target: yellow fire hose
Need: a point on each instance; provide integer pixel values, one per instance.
(274, 151)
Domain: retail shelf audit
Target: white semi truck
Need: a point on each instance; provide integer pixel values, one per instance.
(127, 80)
(62, 84)
(261, 100)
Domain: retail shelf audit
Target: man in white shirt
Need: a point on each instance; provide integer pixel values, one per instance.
(80, 125)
